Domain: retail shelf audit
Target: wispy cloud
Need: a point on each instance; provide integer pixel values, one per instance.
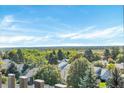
(6, 21)
(13, 34)
(94, 34)
(21, 39)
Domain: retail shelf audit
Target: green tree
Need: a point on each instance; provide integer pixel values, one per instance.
(52, 59)
(111, 66)
(20, 57)
(89, 55)
(89, 80)
(120, 58)
(107, 54)
(79, 73)
(50, 74)
(12, 55)
(98, 64)
(115, 52)
(96, 57)
(13, 69)
(25, 67)
(60, 54)
(113, 82)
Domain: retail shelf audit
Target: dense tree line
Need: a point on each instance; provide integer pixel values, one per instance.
(81, 72)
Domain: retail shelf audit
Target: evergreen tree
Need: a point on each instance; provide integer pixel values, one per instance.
(25, 67)
(107, 54)
(89, 55)
(54, 53)
(20, 56)
(13, 69)
(80, 74)
(115, 52)
(113, 82)
(52, 59)
(89, 80)
(60, 54)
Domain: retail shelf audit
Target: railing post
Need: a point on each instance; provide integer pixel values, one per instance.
(39, 83)
(60, 86)
(23, 82)
(11, 80)
(0, 80)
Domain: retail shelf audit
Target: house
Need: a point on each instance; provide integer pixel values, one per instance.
(105, 74)
(64, 72)
(64, 60)
(19, 67)
(121, 67)
(6, 63)
(62, 65)
(97, 70)
(30, 74)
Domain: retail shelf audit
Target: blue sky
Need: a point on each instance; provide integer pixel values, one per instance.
(28, 26)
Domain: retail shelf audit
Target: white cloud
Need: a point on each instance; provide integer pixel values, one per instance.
(14, 35)
(21, 39)
(91, 34)
(7, 21)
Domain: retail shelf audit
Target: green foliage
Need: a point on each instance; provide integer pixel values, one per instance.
(4, 79)
(111, 66)
(52, 58)
(120, 58)
(13, 69)
(1, 63)
(96, 57)
(110, 60)
(107, 54)
(25, 67)
(113, 82)
(89, 80)
(60, 54)
(102, 85)
(20, 57)
(28, 56)
(80, 74)
(115, 52)
(49, 73)
(89, 55)
(98, 64)
(3, 70)
(12, 55)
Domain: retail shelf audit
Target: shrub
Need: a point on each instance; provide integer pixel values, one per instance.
(98, 64)
(13, 69)
(120, 58)
(49, 73)
(110, 60)
(4, 79)
(111, 66)
(102, 85)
